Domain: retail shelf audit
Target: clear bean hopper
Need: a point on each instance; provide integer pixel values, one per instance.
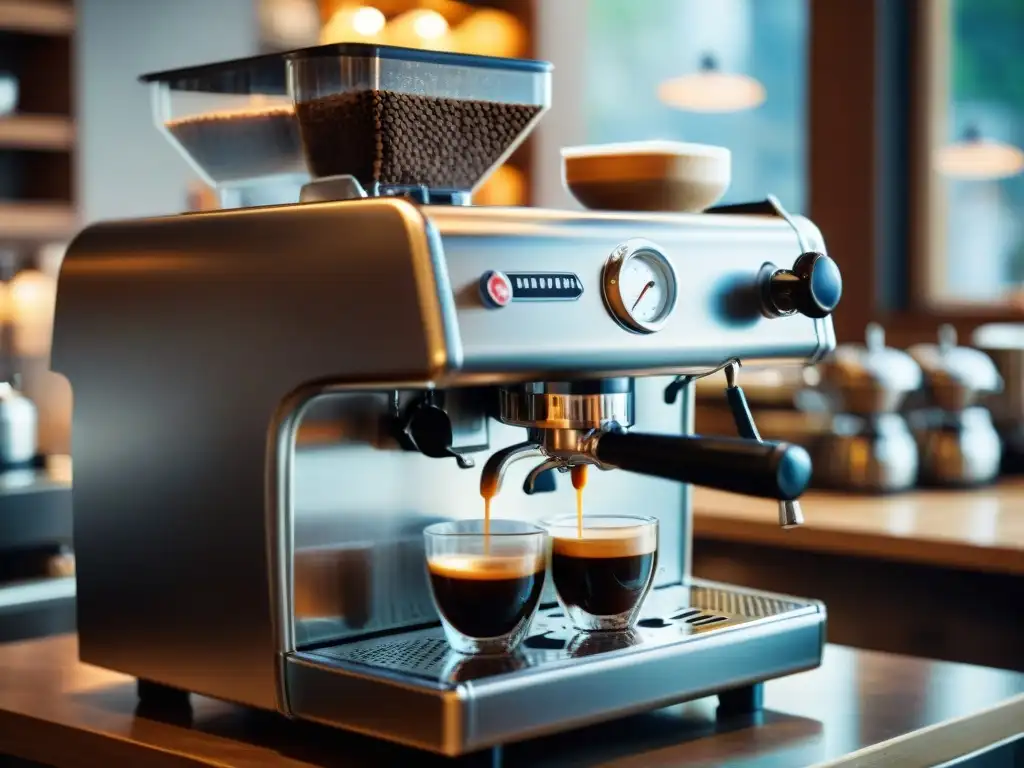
(234, 122)
(400, 120)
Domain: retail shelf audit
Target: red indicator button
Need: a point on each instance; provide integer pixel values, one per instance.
(496, 289)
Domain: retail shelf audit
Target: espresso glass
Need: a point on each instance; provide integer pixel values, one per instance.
(603, 573)
(486, 586)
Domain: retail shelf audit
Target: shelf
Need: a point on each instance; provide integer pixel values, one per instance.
(46, 132)
(37, 222)
(37, 17)
(36, 591)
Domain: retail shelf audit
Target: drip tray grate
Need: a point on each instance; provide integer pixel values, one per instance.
(425, 655)
(672, 615)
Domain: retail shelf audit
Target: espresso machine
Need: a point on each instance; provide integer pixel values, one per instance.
(220, 553)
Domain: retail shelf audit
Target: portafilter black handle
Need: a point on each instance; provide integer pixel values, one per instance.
(770, 470)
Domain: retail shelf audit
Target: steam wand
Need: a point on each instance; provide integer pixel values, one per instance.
(790, 514)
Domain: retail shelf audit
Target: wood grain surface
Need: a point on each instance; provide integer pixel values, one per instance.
(858, 708)
(979, 529)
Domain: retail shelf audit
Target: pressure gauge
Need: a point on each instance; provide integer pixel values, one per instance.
(639, 285)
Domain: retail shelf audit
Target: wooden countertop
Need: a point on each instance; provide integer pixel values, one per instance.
(980, 530)
(858, 708)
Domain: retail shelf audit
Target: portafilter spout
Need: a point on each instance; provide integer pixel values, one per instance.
(494, 470)
(559, 417)
(572, 423)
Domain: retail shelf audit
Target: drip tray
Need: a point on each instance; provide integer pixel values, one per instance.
(691, 641)
(672, 615)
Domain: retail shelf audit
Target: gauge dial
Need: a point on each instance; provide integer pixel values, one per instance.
(640, 286)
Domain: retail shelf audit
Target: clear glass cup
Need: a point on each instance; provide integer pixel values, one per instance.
(602, 576)
(486, 586)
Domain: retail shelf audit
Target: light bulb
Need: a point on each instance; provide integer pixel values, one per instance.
(491, 33)
(368, 21)
(978, 159)
(506, 186)
(353, 24)
(32, 297)
(711, 90)
(420, 28)
(430, 25)
(291, 23)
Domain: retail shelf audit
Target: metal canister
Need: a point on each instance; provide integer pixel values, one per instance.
(19, 423)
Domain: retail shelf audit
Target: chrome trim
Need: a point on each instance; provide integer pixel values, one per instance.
(493, 473)
(688, 427)
(611, 287)
(811, 239)
(558, 411)
(453, 709)
(280, 519)
(531, 478)
(331, 188)
(571, 446)
(790, 514)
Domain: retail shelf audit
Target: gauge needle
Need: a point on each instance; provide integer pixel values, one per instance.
(642, 293)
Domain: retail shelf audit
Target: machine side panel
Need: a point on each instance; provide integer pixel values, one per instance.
(180, 336)
(717, 315)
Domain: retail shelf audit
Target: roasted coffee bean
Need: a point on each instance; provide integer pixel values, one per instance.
(242, 144)
(405, 139)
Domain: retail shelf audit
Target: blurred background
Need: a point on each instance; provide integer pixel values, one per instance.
(897, 126)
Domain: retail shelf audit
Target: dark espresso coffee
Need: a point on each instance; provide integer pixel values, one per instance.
(606, 572)
(486, 596)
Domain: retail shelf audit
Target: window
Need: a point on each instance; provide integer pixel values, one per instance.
(633, 48)
(977, 251)
(861, 98)
(893, 87)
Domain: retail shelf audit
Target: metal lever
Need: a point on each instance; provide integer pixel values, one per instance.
(790, 514)
(679, 382)
(428, 429)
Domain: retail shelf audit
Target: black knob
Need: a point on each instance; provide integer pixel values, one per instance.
(812, 287)
(428, 429)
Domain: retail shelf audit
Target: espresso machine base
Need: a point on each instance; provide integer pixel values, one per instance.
(693, 640)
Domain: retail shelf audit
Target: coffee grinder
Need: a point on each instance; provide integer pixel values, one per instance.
(222, 551)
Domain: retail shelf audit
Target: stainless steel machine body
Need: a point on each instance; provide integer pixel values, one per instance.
(216, 555)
